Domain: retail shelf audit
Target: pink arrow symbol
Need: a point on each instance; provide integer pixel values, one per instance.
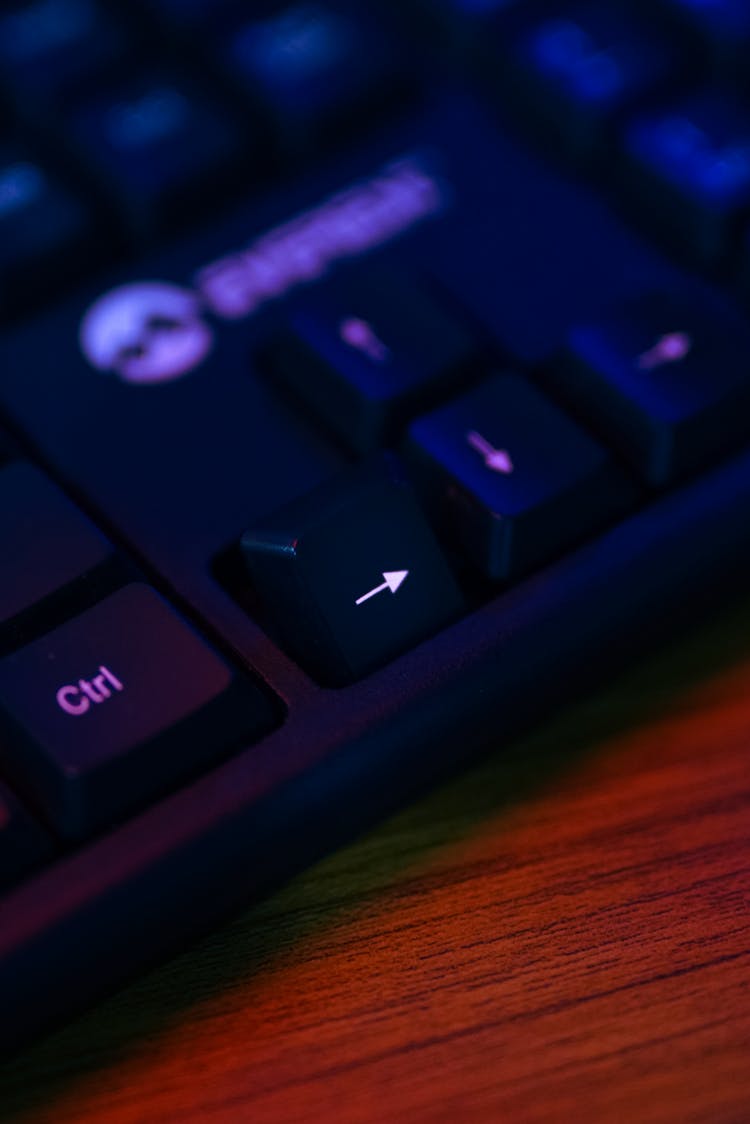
(498, 460)
(362, 337)
(669, 349)
(394, 579)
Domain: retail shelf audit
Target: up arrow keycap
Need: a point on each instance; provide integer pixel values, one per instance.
(312, 565)
(394, 579)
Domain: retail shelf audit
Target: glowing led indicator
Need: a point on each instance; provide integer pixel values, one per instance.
(671, 348)
(362, 337)
(497, 460)
(393, 580)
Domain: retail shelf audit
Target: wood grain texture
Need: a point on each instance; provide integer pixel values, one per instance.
(563, 934)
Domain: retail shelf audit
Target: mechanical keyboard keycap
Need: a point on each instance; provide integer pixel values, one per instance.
(689, 164)
(352, 574)
(46, 235)
(667, 380)
(720, 27)
(512, 478)
(367, 351)
(581, 70)
(54, 49)
(159, 149)
(314, 67)
(116, 705)
(23, 843)
(46, 542)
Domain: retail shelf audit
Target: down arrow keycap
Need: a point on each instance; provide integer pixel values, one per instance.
(351, 575)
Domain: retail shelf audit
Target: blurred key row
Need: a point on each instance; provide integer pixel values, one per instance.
(147, 116)
(715, 34)
(136, 120)
(127, 147)
(653, 98)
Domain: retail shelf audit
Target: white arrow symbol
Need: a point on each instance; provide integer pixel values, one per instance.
(394, 579)
(496, 459)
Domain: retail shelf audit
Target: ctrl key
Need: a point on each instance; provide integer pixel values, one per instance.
(116, 707)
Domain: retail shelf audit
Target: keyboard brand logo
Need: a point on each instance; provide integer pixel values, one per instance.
(147, 333)
(155, 332)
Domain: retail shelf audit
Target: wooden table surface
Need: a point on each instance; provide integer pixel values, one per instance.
(563, 934)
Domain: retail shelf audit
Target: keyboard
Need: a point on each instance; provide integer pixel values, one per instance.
(374, 378)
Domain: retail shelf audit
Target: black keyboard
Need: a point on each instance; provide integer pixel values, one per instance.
(373, 378)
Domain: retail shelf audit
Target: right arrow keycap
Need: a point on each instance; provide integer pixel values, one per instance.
(351, 574)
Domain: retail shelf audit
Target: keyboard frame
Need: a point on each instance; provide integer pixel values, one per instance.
(346, 757)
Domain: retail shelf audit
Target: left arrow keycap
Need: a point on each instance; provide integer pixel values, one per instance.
(316, 564)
